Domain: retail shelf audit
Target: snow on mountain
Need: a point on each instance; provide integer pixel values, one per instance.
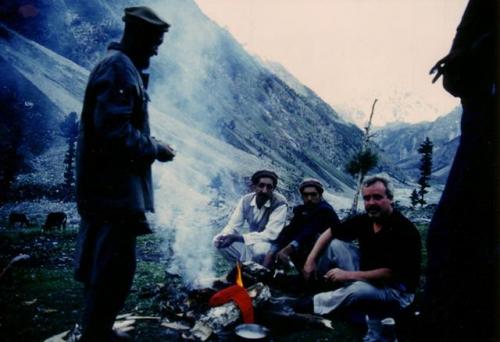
(395, 106)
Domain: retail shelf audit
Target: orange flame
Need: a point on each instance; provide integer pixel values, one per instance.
(239, 278)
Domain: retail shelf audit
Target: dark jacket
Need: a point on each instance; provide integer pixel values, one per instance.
(115, 150)
(305, 227)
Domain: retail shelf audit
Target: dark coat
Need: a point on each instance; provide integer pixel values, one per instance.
(115, 150)
(306, 226)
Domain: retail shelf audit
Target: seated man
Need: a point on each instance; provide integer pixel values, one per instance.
(309, 220)
(264, 210)
(378, 278)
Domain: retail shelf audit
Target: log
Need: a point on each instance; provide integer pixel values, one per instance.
(175, 325)
(222, 316)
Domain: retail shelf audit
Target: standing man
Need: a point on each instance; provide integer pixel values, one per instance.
(460, 301)
(309, 221)
(264, 210)
(378, 278)
(114, 157)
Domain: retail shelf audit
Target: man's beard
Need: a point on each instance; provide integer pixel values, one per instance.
(142, 62)
(261, 199)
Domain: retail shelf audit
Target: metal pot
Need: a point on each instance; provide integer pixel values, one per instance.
(252, 332)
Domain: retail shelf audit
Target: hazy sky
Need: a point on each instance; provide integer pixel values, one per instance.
(352, 51)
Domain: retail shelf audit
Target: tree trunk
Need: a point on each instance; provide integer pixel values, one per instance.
(354, 208)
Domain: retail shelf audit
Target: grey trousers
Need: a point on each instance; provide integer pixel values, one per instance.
(238, 251)
(376, 301)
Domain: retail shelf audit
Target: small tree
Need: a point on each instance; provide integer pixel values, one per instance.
(362, 162)
(414, 197)
(69, 128)
(425, 150)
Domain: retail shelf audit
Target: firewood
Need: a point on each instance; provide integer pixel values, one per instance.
(175, 325)
(222, 316)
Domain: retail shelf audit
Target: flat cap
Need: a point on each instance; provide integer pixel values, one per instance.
(265, 173)
(311, 182)
(145, 15)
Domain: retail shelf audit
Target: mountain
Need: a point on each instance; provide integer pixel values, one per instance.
(400, 142)
(224, 111)
(206, 79)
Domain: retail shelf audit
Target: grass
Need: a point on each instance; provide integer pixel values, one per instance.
(39, 298)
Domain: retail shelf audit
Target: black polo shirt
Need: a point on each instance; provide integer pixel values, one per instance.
(396, 246)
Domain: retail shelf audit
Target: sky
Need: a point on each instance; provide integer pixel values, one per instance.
(351, 52)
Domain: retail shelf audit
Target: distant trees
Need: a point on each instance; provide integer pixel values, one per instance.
(418, 196)
(69, 128)
(10, 155)
(362, 162)
(12, 132)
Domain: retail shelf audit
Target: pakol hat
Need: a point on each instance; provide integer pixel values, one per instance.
(265, 173)
(311, 182)
(143, 15)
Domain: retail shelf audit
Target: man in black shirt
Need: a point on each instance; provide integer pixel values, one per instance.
(309, 220)
(381, 276)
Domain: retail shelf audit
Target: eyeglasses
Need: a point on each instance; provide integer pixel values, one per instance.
(265, 185)
(310, 194)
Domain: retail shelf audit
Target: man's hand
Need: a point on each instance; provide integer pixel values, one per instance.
(165, 152)
(338, 275)
(441, 65)
(309, 269)
(284, 254)
(223, 241)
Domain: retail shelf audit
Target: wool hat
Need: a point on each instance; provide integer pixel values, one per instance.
(265, 173)
(311, 182)
(145, 16)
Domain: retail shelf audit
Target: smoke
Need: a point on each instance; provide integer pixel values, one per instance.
(199, 188)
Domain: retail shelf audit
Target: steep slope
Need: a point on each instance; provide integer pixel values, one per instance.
(194, 193)
(203, 77)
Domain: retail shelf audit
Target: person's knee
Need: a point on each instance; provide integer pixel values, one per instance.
(261, 248)
(336, 244)
(361, 292)
(342, 254)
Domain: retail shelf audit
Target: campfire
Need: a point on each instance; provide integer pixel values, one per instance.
(236, 294)
(247, 295)
(248, 303)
